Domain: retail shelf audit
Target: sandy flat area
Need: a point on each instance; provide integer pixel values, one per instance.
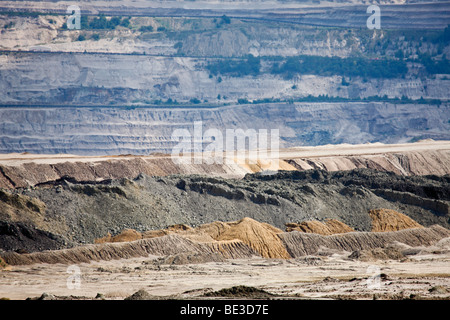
(317, 277)
(16, 159)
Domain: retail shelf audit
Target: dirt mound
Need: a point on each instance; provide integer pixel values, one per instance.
(133, 235)
(261, 237)
(223, 236)
(179, 227)
(17, 236)
(214, 229)
(329, 227)
(241, 292)
(170, 244)
(22, 202)
(300, 244)
(141, 295)
(161, 246)
(232, 249)
(190, 258)
(377, 254)
(93, 209)
(389, 220)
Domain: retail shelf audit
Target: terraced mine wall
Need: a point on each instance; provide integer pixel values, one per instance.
(425, 15)
(138, 131)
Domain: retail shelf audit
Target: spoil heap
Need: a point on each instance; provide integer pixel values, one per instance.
(389, 220)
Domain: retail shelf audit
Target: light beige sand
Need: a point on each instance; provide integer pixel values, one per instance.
(16, 159)
(307, 277)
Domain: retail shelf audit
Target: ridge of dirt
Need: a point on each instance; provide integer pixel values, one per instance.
(256, 239)
(261, 237)
(171, 244)
(241, 292)
(300, 244)
(377, 254)
(329, 227)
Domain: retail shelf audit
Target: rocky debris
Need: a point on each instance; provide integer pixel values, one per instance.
(389, 220)
(40, 174)
(404, 163)
(100, 296)
(243, 292)
(427, 186)
(141, 295)
(47, 296)
(330, 226)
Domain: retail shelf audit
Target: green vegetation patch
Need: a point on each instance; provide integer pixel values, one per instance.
(350, 67)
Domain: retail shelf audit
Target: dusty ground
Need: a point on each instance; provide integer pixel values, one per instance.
(316, 277)
(15, 159)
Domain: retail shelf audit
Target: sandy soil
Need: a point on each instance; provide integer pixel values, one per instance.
(317, 277)
(16, 159)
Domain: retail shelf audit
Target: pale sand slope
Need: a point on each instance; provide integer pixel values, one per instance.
(420, 158)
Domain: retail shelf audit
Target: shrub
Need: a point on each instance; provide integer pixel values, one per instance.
(146, 29)
(195, 101)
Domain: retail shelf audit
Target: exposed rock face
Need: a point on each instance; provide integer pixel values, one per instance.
(105, 80)
(114, 131)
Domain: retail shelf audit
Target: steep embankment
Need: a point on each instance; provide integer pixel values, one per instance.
(404, 163)
(141, 131)
(420, 158)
